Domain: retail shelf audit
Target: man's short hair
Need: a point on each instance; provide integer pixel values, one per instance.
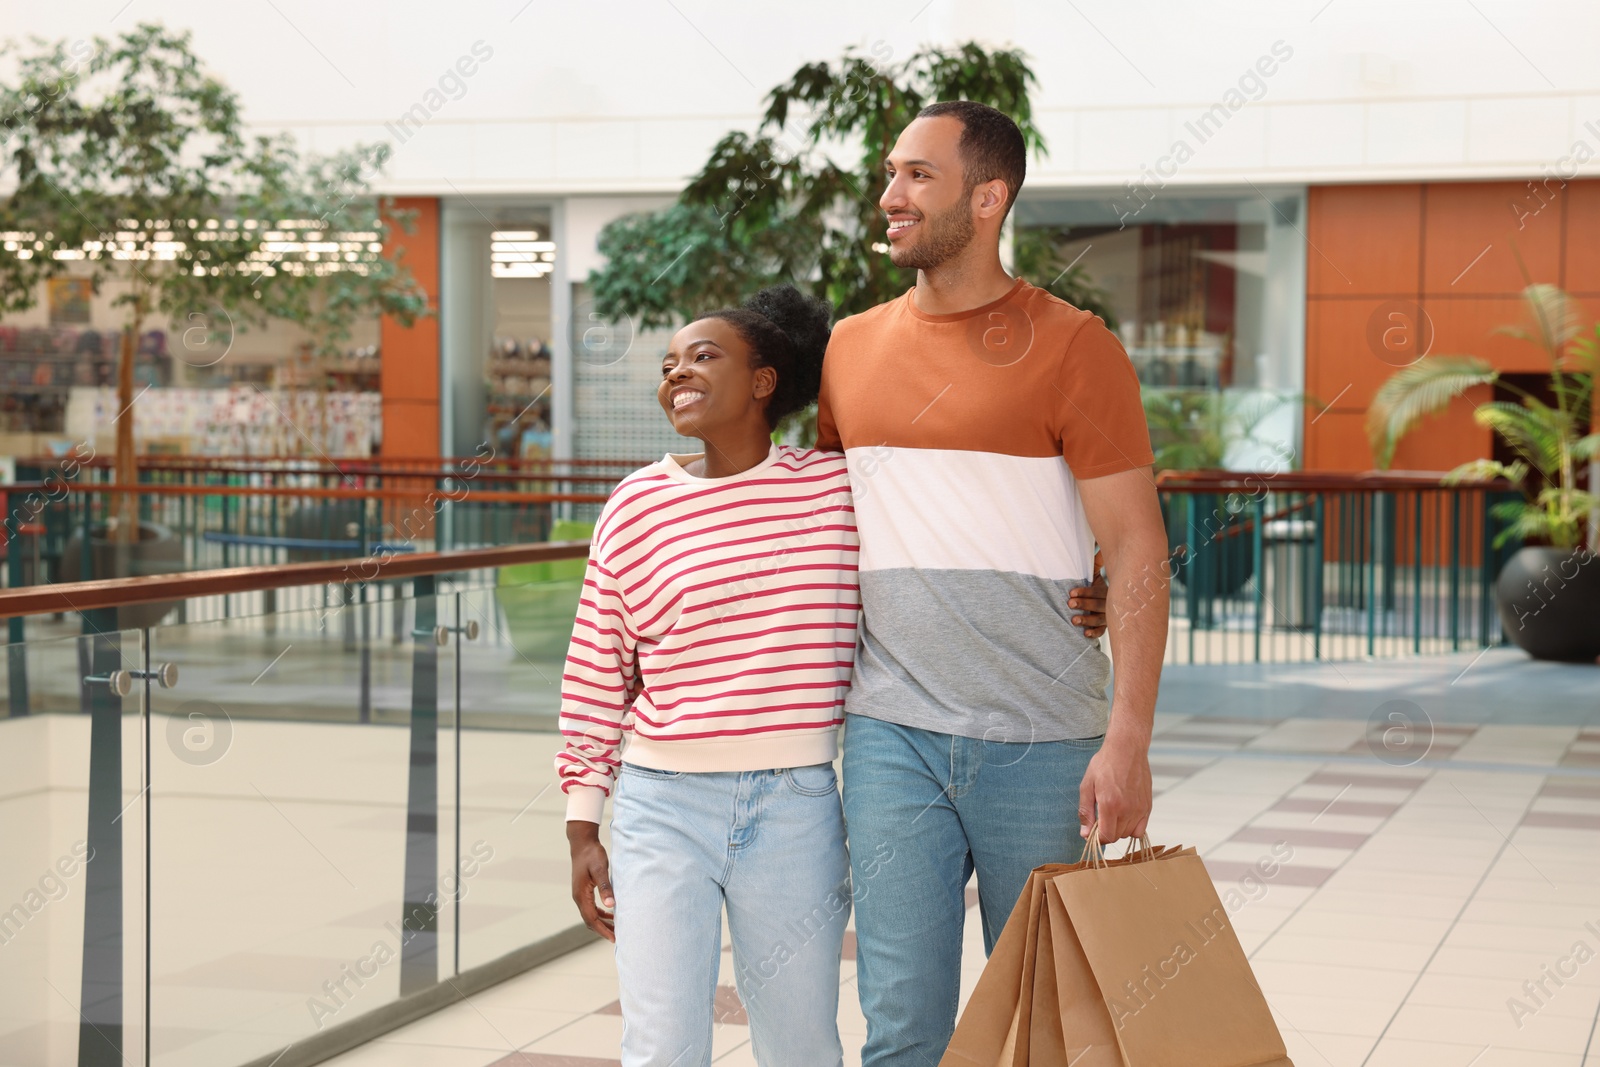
(991, 145)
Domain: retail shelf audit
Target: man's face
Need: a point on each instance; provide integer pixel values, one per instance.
(928, 202)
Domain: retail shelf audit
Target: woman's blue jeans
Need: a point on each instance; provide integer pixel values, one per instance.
(770, 846)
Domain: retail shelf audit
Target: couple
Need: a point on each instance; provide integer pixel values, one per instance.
(991, 435)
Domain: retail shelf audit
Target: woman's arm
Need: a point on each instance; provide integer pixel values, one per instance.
(597, 686)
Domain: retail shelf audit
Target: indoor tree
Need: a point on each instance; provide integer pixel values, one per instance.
(796, 200)
(1551, 441)
(123, 166)
(324, 267)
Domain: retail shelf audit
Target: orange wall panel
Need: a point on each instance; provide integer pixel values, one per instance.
(1347, 337)
(410, 427)
(1337, 441)
(410, 368)
(1467, 328)
(1474, 232)
(1365, 239)
(1583, 241)
(1449, 439)
(1453, 302)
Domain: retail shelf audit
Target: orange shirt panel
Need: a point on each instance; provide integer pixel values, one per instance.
(1027, 375)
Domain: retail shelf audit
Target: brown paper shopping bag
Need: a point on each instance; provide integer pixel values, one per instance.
(1172, 976)
(1015, 1015)
(1046, 996)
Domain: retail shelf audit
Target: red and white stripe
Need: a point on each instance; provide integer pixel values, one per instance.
(736, 601)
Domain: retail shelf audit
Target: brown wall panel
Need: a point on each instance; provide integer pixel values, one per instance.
(1365, 239)
(1474, 232)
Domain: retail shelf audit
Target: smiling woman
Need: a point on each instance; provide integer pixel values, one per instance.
(717, 632)
(729, 377)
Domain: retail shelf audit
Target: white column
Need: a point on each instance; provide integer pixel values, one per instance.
(562, 428)
(466, 315)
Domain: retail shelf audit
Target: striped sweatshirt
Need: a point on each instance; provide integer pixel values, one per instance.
(734, 602)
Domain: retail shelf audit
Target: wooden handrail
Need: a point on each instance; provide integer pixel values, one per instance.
(120, 592)
(387, 472)
(317, 492)
(1312, 481)
(154, 462)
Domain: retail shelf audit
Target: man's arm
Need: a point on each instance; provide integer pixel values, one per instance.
(1125, 515)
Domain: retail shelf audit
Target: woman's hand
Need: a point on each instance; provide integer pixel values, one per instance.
(1089, 601)
(591, 872)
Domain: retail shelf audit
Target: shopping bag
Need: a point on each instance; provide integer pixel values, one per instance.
(1173, 977)
(1057, 991)
(1015, 1015)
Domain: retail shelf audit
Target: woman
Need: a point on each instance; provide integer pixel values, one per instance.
(717, 629)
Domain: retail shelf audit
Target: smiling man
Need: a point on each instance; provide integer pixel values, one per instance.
(993, 435)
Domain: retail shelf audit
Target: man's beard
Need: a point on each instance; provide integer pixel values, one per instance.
(944, 236)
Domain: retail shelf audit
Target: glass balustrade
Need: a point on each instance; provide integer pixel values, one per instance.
(289, 820)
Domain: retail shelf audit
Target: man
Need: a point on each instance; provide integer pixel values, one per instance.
(993, 434)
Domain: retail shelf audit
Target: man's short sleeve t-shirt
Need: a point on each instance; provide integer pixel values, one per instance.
(966, 436)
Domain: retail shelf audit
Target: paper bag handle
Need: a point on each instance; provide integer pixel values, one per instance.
(1094, 851)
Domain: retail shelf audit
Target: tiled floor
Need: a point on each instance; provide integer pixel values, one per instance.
(1439, 905)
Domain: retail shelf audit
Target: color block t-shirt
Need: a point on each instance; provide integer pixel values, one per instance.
(966, 436)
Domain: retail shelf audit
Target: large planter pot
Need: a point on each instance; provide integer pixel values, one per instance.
(1222, 558)
(157, 551)
(1549, 601)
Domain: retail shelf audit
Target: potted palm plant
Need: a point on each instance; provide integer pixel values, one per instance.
(1548, 593)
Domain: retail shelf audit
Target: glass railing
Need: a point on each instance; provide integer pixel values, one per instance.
(263, 832)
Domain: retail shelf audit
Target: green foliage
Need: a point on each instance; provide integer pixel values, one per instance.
(123, 153)
(330, 199)
(129, 163)
(1549, 441)
(1193, 429)
(796, 200)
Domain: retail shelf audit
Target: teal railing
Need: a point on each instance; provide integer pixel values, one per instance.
(1311, 566)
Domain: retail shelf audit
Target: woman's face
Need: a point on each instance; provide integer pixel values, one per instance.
(708, 383)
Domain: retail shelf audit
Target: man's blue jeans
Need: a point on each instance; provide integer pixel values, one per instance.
(923, 811)
(770, 846)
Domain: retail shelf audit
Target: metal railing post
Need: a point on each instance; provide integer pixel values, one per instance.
(419, 952)
(1259, 509)
(100, 1030)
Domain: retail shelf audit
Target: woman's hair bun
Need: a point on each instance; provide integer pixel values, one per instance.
(787, 331)
(804, 319)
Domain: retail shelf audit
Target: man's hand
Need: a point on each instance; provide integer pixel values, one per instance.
(1125, 515)
(1116, 790)
(1089, 601)
(591, 873)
